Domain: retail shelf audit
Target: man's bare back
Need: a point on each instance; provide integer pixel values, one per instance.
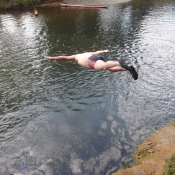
(82, 59)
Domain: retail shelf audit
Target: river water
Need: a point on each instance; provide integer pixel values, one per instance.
(57, 118)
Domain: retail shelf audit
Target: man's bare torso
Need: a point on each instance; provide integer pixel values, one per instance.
(82, 59)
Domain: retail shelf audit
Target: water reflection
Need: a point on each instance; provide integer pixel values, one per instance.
(59, 118)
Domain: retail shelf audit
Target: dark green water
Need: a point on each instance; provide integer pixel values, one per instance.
(57, 118)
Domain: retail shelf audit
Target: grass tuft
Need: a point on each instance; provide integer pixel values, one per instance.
(141, 153)
(173, 123)
(170, 166)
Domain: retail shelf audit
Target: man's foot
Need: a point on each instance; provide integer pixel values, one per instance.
(123, 64)
(130, 68)
(133, 73)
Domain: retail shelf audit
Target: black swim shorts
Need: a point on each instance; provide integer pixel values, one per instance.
(95, 57)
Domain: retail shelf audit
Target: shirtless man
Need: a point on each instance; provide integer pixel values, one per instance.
(95, 60)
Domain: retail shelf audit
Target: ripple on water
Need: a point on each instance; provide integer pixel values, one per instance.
(57, 117)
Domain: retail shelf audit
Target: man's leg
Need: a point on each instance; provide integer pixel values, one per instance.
(116, 69)
(130, 68)
(110, 64)
(114, 66)
(101, 65)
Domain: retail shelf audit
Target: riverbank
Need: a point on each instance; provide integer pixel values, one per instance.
(156, 155)
(54, 3)
(81, 2)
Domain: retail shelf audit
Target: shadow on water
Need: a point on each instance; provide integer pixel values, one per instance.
(59, 118)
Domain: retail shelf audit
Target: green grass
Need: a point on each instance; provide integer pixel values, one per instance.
(140, 155)
(170, 167)
(173, 123)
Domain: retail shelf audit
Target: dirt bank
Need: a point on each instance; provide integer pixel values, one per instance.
(153, 154)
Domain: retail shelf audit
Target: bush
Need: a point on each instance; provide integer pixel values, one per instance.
(26, 3)
(4, 4)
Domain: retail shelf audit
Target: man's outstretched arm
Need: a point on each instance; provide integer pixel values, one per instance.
(72, 57)
(101, 51)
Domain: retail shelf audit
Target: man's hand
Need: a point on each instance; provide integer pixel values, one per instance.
(102, 51)
(48, 57)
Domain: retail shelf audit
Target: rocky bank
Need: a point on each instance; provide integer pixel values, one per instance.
(153, 155)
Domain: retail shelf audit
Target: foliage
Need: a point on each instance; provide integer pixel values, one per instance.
(23, 3)
(26, 3)
(4, 4)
